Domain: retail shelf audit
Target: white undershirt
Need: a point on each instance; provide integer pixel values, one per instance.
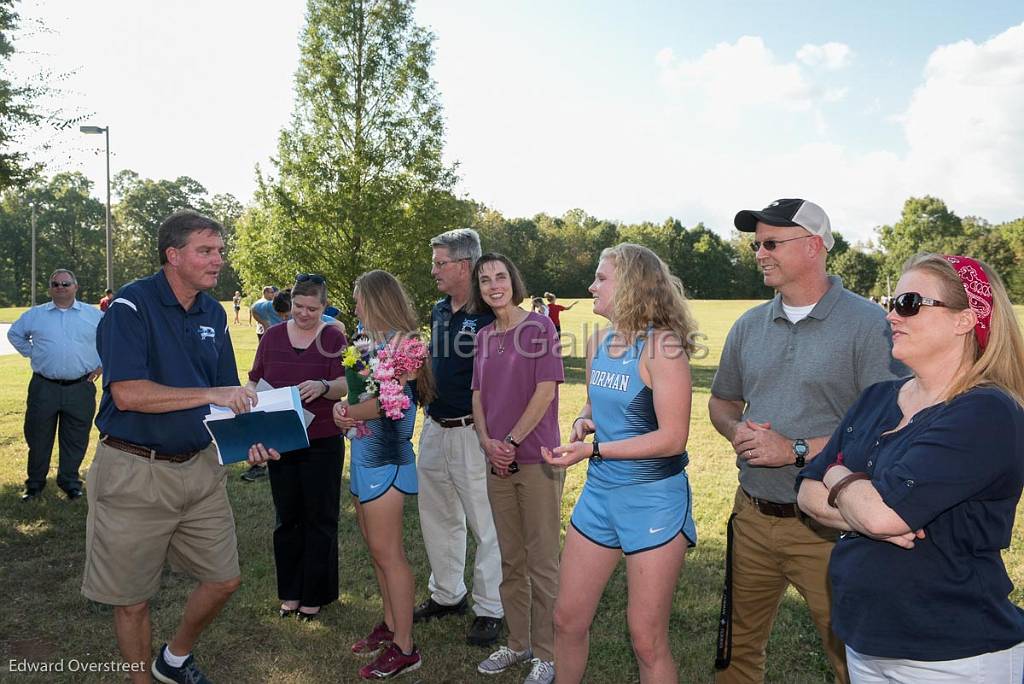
(797, 313)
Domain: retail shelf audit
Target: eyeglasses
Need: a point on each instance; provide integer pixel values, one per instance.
(770, 245)
(910, 303)
(441, 263)
(311, 277)
(61, 283)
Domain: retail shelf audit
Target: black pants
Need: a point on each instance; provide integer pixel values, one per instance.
(64, 411)
(306, 486)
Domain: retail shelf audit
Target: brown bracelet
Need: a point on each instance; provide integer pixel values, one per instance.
(838, 487)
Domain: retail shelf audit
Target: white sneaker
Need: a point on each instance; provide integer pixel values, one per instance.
(502, 659)
(542, 672)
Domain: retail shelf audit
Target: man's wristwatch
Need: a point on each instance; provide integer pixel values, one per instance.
(510, 440)
(596, 454)
(801, 449)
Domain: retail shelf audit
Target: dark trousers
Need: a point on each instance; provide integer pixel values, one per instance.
(64, 411)
(306, 486)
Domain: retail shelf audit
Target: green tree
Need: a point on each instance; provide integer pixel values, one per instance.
(710, 264)
(70, 234)
(142, 205)
(748, 281)
(926, 225)
(16, 110)
(359, 182)
(858, 269)
(1011, 264)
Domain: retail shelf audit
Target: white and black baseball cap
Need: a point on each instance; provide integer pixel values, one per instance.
(789, 212)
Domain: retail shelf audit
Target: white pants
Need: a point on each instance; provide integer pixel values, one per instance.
(452, 472)
(1001, 667)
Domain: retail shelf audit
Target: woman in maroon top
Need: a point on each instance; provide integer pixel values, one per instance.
(306, 483)
(516, 372)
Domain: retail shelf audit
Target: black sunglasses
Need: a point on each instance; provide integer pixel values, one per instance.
(770, 245)
(311, 277)
(910, 303)
(61, 283)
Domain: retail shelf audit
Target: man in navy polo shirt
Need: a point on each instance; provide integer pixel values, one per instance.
(156, 490)
(451, 468)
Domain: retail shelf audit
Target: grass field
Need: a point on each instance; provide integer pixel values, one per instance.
(46, 619)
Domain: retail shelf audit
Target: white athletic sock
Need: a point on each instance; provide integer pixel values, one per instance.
(173, 660)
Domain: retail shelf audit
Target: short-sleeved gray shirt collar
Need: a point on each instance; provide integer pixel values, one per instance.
(824, 305)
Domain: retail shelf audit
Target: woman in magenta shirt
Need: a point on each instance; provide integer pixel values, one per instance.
(306, 483)
(516, 373)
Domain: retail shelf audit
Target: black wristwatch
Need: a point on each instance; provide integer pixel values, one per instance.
(801, 449)
(596, 454)
(508, 439)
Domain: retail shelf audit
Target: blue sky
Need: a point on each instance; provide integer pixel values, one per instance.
(630, 110)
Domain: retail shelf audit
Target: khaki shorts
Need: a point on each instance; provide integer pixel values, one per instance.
(143, 513)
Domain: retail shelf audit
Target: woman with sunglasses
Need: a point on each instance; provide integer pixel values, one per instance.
(923, 477)
(636, 500)
(382, 473)
(306, 483)
(516, 373)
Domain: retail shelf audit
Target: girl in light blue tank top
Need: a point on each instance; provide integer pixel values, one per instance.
(622, 406)
(636, 500)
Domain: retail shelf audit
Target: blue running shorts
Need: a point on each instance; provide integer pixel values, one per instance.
(636, 517)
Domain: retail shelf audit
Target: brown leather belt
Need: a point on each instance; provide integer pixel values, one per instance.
(465, 421)
(777, 510)
(143, 452)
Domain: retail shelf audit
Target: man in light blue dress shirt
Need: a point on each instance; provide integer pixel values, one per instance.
(59, 338)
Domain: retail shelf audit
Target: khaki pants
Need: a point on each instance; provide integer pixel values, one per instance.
(527, 514)
(452, 473)
(769, 554)
(143, 513)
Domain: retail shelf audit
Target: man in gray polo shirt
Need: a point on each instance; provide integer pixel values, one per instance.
(790, 369)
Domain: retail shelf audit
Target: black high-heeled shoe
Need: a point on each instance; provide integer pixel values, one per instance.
(283, 612)
(307, 617)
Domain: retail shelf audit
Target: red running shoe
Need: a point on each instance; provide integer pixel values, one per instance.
(391, 663)
(380, 637)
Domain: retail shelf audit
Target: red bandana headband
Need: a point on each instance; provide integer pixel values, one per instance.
(979, 293)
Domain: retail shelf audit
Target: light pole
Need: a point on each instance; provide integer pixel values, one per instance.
(110, 242)
(33, 254)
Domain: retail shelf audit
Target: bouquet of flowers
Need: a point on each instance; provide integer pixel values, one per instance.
(378, 373)
(358, 376)
(395, 361)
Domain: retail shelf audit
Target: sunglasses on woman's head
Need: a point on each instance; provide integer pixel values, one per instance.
(910, 303)
(770, 245)
(312, 277)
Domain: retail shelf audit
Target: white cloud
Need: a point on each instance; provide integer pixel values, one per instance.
(732, 78)
(835, 94)
(830, 56)
(965, 126)
(745, 127)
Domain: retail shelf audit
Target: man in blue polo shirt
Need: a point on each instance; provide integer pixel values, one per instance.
(452, 469)
(156, 491)
(59, 338)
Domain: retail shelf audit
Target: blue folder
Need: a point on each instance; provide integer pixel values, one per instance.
(282, 430)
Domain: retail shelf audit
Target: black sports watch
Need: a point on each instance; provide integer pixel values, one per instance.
(800, 448)
(596, 454)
